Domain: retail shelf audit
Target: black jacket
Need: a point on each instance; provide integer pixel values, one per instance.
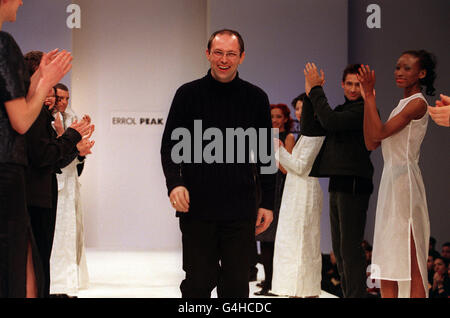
(46, 155)
(344, 152)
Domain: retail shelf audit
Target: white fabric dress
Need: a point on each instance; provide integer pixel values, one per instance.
(297, 261)
(68, 268)
(402, 206)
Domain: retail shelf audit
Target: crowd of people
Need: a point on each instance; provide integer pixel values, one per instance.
(346, 272)
(40, 139)
(334, 143)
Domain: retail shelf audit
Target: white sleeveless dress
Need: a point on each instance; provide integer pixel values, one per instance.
(297, 261)
(402, 206)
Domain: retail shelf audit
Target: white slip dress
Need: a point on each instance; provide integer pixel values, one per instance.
(402, 206)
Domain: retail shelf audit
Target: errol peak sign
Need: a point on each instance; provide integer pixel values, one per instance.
(134, 120)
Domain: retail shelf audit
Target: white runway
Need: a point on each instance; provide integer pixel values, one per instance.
(143, 274)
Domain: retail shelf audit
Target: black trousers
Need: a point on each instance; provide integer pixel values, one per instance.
(348, 219)
(216, 254)
(43, 222)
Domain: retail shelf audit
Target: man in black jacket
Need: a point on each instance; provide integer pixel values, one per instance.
(46, 155)
(345, 160)
(217, 200)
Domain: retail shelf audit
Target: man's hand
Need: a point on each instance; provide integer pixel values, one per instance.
(445, 101)
(312, 77)
(440, 115)
(179, 199)
(366, 78)
(441, 112)
(263, 220)
(84, 146)
(83, 127)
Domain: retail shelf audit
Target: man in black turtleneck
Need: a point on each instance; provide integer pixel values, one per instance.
(344, 159)
(220, 204)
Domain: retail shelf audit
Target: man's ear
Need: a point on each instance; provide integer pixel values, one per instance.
(241, 59)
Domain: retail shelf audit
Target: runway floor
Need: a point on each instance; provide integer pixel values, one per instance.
(141, 274)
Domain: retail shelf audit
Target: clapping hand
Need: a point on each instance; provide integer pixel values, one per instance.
(366, 78)
(54, 65)
(312, 77)
(85, 145)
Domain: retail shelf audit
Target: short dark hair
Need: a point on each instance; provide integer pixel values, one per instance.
(350, 69)
(61, 86)
(445, 260)
(300, 97)
(33, 60)
(229, 32)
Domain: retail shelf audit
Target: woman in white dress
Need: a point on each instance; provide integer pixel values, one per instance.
(68, 267)
(402, 228)
(297, 258)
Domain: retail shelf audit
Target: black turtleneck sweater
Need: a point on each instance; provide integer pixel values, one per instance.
(343, 157)
(218, 191)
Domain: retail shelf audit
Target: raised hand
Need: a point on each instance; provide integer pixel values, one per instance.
(83, 127)
(84, 146)
(87, 118)
(366, 78)
(312, 77)
(54, 66)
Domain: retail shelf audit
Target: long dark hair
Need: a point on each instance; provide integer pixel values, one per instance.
(427, 62)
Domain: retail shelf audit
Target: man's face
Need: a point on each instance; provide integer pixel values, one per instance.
(298, 109)
(446, 251)
(224, 57)
(351, 87)
(62, 97)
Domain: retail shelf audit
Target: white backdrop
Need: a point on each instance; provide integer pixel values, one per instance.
(131, 57)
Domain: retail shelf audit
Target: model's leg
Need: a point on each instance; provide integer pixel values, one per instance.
(200, 258)
(417, 288)
(43, 225)
(235, 244)
(352, 213)
(335, 224)
(389, 289)
(32, 291)
(267, 251)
